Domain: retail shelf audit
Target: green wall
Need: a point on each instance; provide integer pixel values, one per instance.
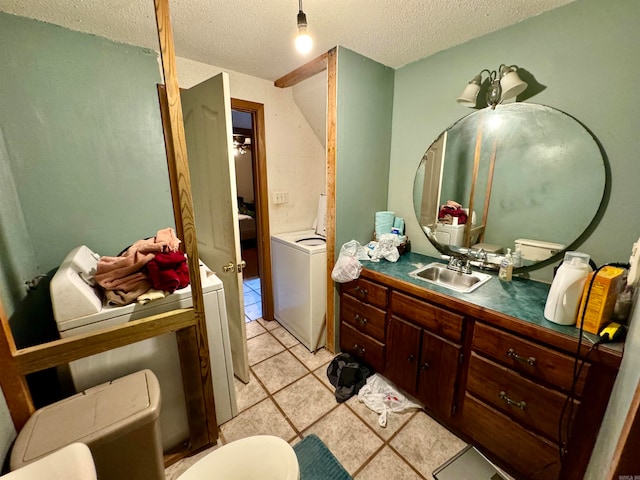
(82, 156)
(365, 101)
(364, 108)
(585, 53)
(83, 142)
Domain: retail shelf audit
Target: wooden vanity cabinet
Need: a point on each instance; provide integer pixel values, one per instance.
(363, 321)
(498, 382)
(419, 359)
(514, 399)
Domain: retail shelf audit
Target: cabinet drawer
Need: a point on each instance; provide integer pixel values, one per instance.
(440, 321)
(529, 403)
(534, 457)
(364, 317)
(362, 346)
(527, 357)
(367, 291)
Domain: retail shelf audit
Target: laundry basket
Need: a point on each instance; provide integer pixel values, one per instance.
(118, 421)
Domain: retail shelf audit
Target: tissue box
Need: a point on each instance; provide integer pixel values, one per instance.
(602, 299)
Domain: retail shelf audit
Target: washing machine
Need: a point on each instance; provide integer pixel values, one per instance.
(79, 309)
(299, 274)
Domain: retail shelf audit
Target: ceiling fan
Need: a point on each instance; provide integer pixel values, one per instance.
(241, 144)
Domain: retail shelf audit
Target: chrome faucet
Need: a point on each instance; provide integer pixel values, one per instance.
(481, 255)
(459, 264)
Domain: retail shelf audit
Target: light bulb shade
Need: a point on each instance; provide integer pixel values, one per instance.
(512, 85)
(469, 95)
(303, 40)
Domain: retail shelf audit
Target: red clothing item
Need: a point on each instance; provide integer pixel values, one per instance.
(168, 271)
(450, 212)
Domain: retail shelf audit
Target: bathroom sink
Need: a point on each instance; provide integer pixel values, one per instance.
(439, 274)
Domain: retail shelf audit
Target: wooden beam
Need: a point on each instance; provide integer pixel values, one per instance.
(171, 161)
(487, 195)
(472, 193)
(197, 378)
(65, 350)
(308, 70)
(13, 382)
(332, 114)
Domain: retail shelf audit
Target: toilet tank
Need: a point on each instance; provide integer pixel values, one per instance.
(537, 250)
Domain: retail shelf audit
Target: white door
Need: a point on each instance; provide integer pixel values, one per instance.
(206, 110)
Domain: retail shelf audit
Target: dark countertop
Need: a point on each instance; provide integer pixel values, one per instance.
(520, 298)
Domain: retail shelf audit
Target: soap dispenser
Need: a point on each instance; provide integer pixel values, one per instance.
(566, 289)
(506, 267)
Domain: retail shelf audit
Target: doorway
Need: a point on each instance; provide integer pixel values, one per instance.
(253, 203)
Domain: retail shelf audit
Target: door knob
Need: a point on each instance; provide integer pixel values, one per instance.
(241, 266)
(229, 267)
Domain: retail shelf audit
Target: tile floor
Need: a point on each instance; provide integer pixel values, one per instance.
(290, 396)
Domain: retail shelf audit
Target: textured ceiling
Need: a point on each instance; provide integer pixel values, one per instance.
(256, 36)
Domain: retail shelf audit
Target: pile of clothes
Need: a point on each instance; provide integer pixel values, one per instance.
(451, 210)
(149, 269)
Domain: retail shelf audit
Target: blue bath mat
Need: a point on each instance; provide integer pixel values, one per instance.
(317, 462)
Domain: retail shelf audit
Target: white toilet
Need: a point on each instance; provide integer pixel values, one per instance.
(263, 456)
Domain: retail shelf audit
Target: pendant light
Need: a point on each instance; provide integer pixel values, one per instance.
(303, 39)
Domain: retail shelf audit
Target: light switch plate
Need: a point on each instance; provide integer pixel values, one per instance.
(281, 197)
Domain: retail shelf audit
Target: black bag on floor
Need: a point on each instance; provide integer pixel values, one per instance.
(348, 375)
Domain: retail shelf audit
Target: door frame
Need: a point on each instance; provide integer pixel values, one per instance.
(260, 188)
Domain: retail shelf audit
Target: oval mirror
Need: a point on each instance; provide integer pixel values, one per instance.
(523, 176)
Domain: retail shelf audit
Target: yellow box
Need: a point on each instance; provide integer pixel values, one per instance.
(603, 297)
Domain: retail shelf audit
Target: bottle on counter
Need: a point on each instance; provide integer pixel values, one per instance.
(517, 257)
(566, 289)
(506, 267)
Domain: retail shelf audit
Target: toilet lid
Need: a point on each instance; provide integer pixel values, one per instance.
(263, 456)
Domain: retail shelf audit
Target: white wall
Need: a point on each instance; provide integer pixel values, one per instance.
(244, 176)
(621, 399)
(296, 161)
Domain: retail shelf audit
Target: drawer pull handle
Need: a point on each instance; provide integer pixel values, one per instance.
(503, 396)
(425, 366)
(359, 350)
(411, 358)
(358, 318)
(512, 353)
(361, 291)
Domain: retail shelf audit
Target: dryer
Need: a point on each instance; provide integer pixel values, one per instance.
(78, 309)
(299, 273)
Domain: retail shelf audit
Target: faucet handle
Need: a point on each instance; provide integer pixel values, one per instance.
(466, 268)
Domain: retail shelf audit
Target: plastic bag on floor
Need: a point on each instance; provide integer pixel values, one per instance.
(382, 398)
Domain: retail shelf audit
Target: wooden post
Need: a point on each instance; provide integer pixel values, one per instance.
(202, 423)
(332, 114)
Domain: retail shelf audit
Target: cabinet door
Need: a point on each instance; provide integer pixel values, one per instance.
(439, 363)
(402, 354)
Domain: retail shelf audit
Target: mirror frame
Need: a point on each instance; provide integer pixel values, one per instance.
(446, 250)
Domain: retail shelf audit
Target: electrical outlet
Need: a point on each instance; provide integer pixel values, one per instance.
(281, 197)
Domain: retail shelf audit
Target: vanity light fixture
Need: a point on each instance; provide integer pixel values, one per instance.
(303, 39)
(504, 83)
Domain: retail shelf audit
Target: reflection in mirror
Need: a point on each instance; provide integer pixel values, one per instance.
(523, 177)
